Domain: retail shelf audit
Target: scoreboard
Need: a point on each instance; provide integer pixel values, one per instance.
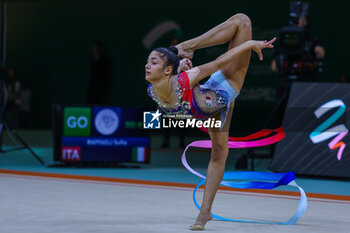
(99, 134)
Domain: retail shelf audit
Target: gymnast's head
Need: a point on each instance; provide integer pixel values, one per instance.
(161, 63)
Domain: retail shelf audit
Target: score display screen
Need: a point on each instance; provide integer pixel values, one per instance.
(316, 122)
(99, 134)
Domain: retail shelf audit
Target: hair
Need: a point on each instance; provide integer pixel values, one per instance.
(169, 55)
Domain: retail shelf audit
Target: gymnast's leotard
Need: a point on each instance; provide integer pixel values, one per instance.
(202, 101)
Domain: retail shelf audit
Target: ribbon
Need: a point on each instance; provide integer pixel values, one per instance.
(259, 180)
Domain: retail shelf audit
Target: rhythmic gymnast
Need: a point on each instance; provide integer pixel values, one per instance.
(182, 94)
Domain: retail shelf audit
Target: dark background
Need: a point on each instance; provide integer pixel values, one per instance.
(49, 45)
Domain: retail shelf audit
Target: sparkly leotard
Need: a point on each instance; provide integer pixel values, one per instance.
(201, 102)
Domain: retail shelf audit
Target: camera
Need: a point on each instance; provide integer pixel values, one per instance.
(295, 57)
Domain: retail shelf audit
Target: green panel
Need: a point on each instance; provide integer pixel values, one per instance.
(77, 121)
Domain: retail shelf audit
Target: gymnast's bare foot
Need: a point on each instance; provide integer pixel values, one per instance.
(201, 220)
(185, 51)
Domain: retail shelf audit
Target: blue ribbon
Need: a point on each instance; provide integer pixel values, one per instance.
(260, 180)
(257, 180)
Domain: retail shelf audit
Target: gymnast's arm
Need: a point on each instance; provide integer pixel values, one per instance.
(198, 73)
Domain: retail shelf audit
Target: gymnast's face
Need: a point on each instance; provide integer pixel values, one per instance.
(155, 69)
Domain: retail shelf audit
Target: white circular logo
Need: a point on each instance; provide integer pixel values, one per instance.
(106, 122)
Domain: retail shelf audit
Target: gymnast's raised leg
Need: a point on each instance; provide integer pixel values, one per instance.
(235, 30)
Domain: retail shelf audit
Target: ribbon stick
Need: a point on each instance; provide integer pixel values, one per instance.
(259, 180)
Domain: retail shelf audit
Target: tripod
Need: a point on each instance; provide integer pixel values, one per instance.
(12, 133)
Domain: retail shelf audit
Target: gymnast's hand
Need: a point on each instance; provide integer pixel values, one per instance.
(257, 46)
(185, 64)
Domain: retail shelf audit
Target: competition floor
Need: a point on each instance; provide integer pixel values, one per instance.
(153, 198)
(37, 204)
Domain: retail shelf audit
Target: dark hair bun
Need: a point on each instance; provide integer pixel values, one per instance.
(174, 49)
